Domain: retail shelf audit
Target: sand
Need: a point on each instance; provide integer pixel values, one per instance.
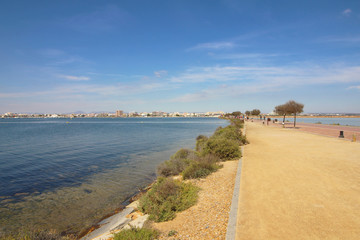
(297, 185)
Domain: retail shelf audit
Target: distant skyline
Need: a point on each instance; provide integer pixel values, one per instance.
(179, 56)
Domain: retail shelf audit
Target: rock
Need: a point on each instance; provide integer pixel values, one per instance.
(138, 222)
(134, 204)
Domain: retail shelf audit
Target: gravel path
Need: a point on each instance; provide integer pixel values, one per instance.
(209, 217)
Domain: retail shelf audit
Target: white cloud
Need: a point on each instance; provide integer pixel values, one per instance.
(347, 12)
(160, 73)
(354, 87)
(75, 78)
(213, 46)
(247, 80)
(244, 55)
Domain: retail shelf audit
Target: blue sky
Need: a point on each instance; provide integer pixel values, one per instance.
(185, 56)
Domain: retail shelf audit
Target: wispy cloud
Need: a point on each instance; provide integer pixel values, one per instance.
(354, 87)
(237, 80)
(160, 73)
(75, 78)
(347, 12)
(213, 46)
(245, 55)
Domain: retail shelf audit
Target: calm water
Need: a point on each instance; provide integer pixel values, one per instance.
(341, 121)
(66, 173)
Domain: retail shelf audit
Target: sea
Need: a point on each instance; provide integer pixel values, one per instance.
(65, 174)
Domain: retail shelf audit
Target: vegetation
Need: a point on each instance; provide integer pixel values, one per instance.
(167, 197)
(281, 110)
(177, 163)
(294, 108)
(37, 235)
(200, 143)
(225, 149)
(137, 234)
(172, 233)
(255, 112)
(291, 107)
(202, 167)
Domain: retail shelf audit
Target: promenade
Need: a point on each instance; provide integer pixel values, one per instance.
(297, 185)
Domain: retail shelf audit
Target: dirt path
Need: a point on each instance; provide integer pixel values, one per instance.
(209, 217)
(296, 185)
(321, 129)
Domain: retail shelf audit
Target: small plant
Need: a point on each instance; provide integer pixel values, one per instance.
(318, 123)
(167, 197)
(172, 233)
(137, 234)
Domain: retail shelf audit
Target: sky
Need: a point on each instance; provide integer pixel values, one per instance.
(179, 55)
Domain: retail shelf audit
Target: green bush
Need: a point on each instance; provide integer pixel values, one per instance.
(230, 132)
(238, 123)
(202, 167)
(177, 163)
(225, 149)
(201, 142)
(167, 197)
(137, 234)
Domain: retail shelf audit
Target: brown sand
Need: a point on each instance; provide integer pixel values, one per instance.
(209, 217)
(296, 185)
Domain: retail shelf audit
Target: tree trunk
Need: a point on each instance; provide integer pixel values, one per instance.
(294, 120)
(284, 118)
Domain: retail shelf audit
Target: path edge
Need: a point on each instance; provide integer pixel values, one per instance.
(231, 226)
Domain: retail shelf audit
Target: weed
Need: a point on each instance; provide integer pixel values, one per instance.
(137, 234)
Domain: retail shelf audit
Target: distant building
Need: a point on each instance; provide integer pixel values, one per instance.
(119, 113)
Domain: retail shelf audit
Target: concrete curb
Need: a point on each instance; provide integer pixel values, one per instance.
(231, 227)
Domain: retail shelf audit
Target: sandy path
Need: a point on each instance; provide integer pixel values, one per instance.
(209, 217)
(322, 129)
(296, 185)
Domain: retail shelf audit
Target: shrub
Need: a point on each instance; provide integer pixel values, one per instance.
(167, 197)
(177, 163)
(238, 123)
(137, 234)
(200, 142)
(231, 132)
(225, 149)
(184, 154)
(202, 167)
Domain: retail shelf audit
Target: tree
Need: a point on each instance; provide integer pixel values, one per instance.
(281, 110)
(255, 112)
(247, 113)
(236, 114)
(293, 107)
